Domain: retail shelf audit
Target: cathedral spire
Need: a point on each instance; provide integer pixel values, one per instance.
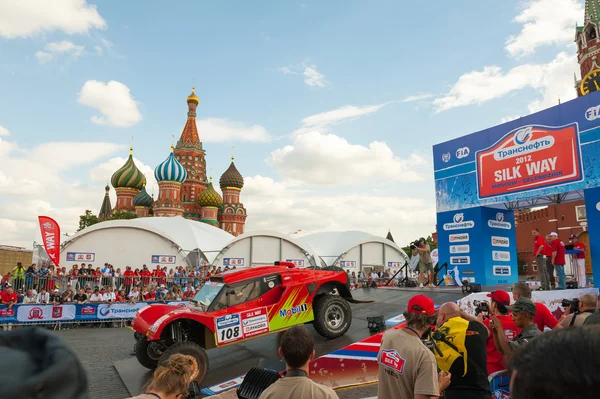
(189, 136)
(106, 208)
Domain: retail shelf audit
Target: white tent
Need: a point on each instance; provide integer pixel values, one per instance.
(168, 241)
(356, 250)
(264, 248)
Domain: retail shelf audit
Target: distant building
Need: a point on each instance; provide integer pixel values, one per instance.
(9, 256)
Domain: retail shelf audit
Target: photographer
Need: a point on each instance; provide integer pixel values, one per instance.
(297, 349)
(498, 308)
(543, 316)
(578, 312)
(426, 264)
(415, 375)
(462, 341)
(523, 314)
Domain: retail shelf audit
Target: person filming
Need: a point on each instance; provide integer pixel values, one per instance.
(297, 349)
(588, 303)
(499, 300)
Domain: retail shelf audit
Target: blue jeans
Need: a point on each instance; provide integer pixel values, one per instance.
(560, 273)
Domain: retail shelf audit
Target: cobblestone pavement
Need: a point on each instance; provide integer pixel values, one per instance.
(98, 348)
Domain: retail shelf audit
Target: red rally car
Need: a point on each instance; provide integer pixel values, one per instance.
(241, 305)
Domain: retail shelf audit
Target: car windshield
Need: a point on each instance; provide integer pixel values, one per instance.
(208, 293)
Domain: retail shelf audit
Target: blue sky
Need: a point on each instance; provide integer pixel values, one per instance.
(332, 106)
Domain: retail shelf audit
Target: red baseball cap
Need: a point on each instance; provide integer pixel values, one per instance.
(500, 296)
(420, 304)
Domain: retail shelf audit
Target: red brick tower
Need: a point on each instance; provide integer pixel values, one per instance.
(191, 155)
(588, 49)
(232, 215)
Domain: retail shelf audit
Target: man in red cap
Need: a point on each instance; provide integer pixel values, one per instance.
(499, 300)
(407, 368)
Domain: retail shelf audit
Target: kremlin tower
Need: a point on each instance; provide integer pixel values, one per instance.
(588, 49)
(127, 181)
(183, 187)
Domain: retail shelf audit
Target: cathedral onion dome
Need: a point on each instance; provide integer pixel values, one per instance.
(128, 176)
(210, 197)
(231, 178)
(170, 170)
(143, 199)
(193, 98)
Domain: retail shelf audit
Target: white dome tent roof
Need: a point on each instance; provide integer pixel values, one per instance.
(182, 235)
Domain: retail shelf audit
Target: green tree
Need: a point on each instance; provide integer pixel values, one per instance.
(87, 219)
(122, 215)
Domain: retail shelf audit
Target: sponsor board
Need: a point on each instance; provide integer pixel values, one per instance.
(500, 241)
(296, 262)
(395, 265)
(41, 313)
(81, 256)
(119, 310)
(499, 223)
(459, 222)
(168, 259)
(501, 270)
(460, 260)
(459, 249)
(233, 262)
(503, 256)
(458, 237)
(255, 322)
(529, 158)
(347, 263)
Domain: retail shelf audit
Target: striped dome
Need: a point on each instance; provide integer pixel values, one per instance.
(231, 177)
(210, 197)
(128, 176)
(143, 199)
(170, 170)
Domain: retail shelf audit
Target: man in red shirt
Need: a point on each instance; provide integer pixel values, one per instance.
(558, 260)
(543, 317)
(498, 303)
(9, 297)
(539, 246)
(578, 245)
(146, 274)
(128, 280)
(549, 265)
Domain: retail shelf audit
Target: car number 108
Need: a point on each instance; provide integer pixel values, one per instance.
(230, 333)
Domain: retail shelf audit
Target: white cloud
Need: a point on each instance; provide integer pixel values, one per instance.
(551, 80)
(36, 181)
(53, 49)
(4, 131)
(418, 97)
(327, 159)
(113, 100)
(273, 205)
(23, 18)
(219, 130)
(323, 120)
(314, 78)
(544, 22)
(99, 50)
(505, 119)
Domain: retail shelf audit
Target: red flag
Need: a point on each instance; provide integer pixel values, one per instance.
(51, 237)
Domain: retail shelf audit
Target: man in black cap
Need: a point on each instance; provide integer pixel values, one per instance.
(523, 313)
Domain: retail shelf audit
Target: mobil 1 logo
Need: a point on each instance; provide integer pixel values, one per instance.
(228, 328)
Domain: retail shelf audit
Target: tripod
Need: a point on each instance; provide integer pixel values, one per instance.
(405, 282)
(436, 272)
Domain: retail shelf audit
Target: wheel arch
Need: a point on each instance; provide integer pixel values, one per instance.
(198, 331)
(329, 286)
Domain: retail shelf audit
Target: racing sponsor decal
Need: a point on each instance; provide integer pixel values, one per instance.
(255, 322)
(459, 249)
(228, 328)
(292, 298)
(459, 237)
(501, 270)
(459, 222)
(295, 310)
(460, 260)
(500, 241)
(529, 158)
(390, 358)
(501, 256)
(499, 223)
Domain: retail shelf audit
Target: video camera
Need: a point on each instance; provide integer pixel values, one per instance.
(415, 244)
(572, 304)
(482, 307)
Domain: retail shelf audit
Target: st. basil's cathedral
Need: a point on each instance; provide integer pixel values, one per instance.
(183, 189)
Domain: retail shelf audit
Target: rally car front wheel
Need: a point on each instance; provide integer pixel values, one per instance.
(333, 315)
(190, 349)
(146, 353)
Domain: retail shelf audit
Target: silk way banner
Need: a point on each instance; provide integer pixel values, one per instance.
(50, 237)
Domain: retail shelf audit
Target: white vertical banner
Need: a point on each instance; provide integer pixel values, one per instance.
(44, 313)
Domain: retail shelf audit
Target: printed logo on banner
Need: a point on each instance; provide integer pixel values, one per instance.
(463, 152)
(57, 312)
(500, 241)
(36, 313)
(392, 359)
(119, 310)
(163, 259)
(592, 113)
(501, 256)
(347, 263)
(459, 223)
(460, 260)
(228, 328)
(501, 270)
(81, 256)
(460, 237)
(395, 264)
(296, 262)
(459, 249)
(233, 261)
(7, 313)
(499, 223)
(446, 157)
(255, 322)
(529, 158)
(293, 311)
(88, 310)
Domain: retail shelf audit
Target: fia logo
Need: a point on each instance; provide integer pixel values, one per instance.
(446, 157)
(459, 217)
(463, 152)
(592, 113)
(500, 217)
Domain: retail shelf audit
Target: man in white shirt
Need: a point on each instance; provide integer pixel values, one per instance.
(96, 296)
(107, 296)
(29, 298)
(134, 295)
(43, 297)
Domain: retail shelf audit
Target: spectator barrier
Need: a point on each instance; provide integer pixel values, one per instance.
(87, 312)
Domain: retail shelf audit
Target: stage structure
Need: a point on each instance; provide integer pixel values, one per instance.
(549, 157)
